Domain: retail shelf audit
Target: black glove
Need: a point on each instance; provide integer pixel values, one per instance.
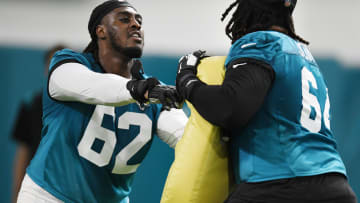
(138, 85)
(186, 75)
(167, 96)
(138, 88)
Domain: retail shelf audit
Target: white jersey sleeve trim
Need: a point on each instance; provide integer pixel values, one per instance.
(75, 82)
(171, 125)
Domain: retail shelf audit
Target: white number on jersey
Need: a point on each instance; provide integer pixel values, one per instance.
(309, 100)
(94, 130)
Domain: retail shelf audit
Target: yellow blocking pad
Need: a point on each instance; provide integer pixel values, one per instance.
(199, 173)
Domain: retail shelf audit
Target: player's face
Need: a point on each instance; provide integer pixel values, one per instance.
(125, 32)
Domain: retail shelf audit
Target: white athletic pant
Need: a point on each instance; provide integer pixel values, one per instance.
(30, 192)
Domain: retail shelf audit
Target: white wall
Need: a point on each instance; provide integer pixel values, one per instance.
(177, 27)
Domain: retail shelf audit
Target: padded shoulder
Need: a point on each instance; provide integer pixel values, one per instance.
(262, 45)
(68, 54)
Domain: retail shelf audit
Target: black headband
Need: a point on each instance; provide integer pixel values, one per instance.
(102, 10)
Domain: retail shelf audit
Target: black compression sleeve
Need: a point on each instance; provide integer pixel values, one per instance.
(232, 104)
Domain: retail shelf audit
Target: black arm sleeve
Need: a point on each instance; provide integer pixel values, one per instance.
(232, 104)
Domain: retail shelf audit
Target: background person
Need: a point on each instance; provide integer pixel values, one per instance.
(27, 129)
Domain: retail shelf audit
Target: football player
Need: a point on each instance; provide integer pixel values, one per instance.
(94, 135)
(274, 106)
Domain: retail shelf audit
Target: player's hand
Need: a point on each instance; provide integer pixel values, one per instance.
(167, 96)
(138, 88)
(186, 74)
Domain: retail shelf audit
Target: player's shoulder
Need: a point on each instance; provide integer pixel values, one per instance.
(262, 45)
(266, 41)
(68, 55)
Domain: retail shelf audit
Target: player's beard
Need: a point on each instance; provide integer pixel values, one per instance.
(131, 52)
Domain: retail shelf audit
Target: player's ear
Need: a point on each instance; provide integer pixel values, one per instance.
(101, 32)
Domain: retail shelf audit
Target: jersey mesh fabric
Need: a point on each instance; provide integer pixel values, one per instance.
(288, 136)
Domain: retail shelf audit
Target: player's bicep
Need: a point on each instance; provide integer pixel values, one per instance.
(75, 82)
(234, 102)
(62, 79)
(251, 80)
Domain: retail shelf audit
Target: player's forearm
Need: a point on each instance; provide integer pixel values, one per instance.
(74, 82)
(171, 125)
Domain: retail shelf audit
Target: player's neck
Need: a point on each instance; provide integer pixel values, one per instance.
(279, 29)
(116, 64)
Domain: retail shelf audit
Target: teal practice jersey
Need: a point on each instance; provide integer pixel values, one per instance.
(90, 153)
(290, 135)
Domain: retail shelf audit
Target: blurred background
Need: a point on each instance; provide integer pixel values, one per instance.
(172, 29)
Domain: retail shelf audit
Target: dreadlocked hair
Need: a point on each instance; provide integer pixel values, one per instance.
(93, 49)
(249, 17)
